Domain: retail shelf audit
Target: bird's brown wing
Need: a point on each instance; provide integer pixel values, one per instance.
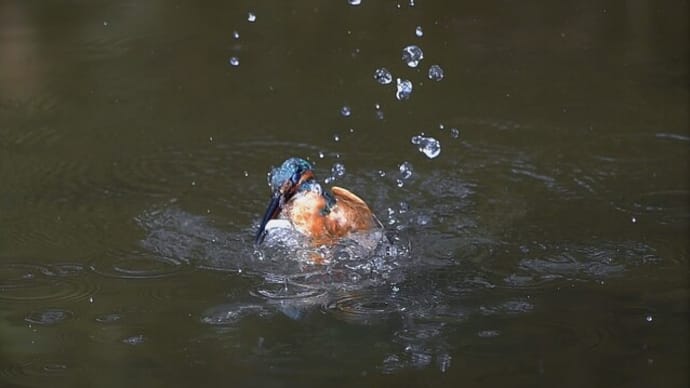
(355, 208)
(347, 195)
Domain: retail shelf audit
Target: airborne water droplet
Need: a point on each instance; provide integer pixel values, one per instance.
(412, 55)
(383, 76)
(429, 146)
(435, 73)
(404, 89)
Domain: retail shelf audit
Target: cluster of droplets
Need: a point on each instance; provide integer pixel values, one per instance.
(234, 60)
(412, 56)
(337, 171)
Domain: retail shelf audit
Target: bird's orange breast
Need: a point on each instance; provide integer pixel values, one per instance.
(350, 214)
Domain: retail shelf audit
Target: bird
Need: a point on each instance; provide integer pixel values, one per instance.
(322, 215)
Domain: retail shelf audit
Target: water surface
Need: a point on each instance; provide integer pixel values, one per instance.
(546, 244)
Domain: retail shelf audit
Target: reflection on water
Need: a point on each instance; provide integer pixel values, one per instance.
(528, 162)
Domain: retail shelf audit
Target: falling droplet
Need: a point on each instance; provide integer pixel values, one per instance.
(404, 89)
(345, 111)
(406, 170)
(436, 73)
(412, 55)
(251, 17)
(235, 35)
(454, 133)
(419, 32)
(234, 61)
(427, 145)
(383, 76)
(338, 170)
(354, 2)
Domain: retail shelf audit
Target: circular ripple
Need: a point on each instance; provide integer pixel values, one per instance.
(288, 290)
(34, 283)
(368, 307)
(136, 266)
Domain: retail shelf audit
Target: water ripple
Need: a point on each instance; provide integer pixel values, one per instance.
(44, 283)
(134, 265)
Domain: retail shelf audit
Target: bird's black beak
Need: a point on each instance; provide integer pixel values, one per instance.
(272, 211)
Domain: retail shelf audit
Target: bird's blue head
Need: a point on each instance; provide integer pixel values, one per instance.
(292, 172)
(285, 181)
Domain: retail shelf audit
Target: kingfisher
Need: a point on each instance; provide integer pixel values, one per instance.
(320, 214)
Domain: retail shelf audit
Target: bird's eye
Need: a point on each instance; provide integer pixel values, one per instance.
(295, 178)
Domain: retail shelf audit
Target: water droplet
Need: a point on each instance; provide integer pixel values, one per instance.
(411, 3)
(399, 183)
(251, 17)
(418, 31)
(634, 220)
(354, 2)
(404, 207)
(441, 127)
(245, 172)
(235, 35)
(382, 173)
(412, 55)
(321, 155)
(454, 133)
(336, 137)
(338, 170)
(210, 139)
(383, 76)
(404, 90)
(435, 73)
(427, 145)
(345, 111)
(234, 61)
(105, 24)
(351, 130)
(406, 170)
(649, 318)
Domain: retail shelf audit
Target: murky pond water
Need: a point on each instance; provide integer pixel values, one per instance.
(529, 163)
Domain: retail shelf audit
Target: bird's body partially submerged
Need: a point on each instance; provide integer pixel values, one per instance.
(323, 216)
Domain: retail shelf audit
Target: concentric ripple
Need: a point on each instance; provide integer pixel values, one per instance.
(25, 283)
(369, 306)
(133, 265)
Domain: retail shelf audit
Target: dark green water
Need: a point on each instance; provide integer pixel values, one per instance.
(547, 244)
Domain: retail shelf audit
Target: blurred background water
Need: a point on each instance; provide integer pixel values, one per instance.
(529, 162)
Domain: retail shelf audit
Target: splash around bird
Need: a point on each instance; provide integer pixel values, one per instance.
(324, 216)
